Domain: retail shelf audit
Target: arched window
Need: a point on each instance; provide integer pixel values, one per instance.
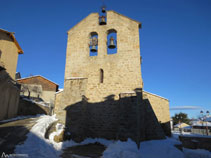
(111, 41)
(101, 75)
(93, 44)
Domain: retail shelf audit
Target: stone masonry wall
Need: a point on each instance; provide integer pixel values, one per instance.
(160, 107)
(57, 101)
(73, 92)
(122, 71)
(128, 117)
(110, 109)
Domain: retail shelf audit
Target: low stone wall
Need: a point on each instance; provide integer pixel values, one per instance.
(196, 142)
(9, 96)
(57, 101)
(160, 107)
(29, 108)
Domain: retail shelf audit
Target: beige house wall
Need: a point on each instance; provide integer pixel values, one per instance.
(9, 54)
(48, 96)
(159, 105)
(57, 101)
(122, 70)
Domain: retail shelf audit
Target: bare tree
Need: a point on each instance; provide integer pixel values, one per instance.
(36, 89)
(25, 88)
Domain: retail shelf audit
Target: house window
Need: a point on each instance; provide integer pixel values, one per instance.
(101, 75)
(111, 41)
(93, 44)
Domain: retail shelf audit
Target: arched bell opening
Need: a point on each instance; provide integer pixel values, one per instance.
(93, 44)
(102, 16)
(111, 41)
(103, 9)
(102, 20)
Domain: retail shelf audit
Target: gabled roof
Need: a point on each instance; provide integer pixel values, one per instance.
(35, 77)
(107, 11)
(11, 34)
(154, 95)
(126, 17)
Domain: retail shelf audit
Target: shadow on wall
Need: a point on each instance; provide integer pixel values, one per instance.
(129, 117)
(166, 126)
(9, 95)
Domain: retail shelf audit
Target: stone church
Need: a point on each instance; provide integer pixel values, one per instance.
(103, 88)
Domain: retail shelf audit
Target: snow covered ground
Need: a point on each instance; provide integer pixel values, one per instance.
(36, 146)
(37, 102)
(148, 149)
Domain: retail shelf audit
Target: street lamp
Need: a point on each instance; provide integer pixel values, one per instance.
(203, 118)
(208, 113)
(207, 121)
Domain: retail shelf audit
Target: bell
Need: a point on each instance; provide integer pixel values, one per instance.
(102, 20)
(93, 49)
(103, 9)
(93, 44)
(111, 43)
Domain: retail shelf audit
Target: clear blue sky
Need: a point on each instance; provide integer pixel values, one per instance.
(175, 42)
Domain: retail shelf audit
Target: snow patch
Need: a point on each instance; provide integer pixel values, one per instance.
(37, 102)
(36, 146)
(148, 149)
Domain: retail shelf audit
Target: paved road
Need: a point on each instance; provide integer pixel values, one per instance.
(14, 133)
